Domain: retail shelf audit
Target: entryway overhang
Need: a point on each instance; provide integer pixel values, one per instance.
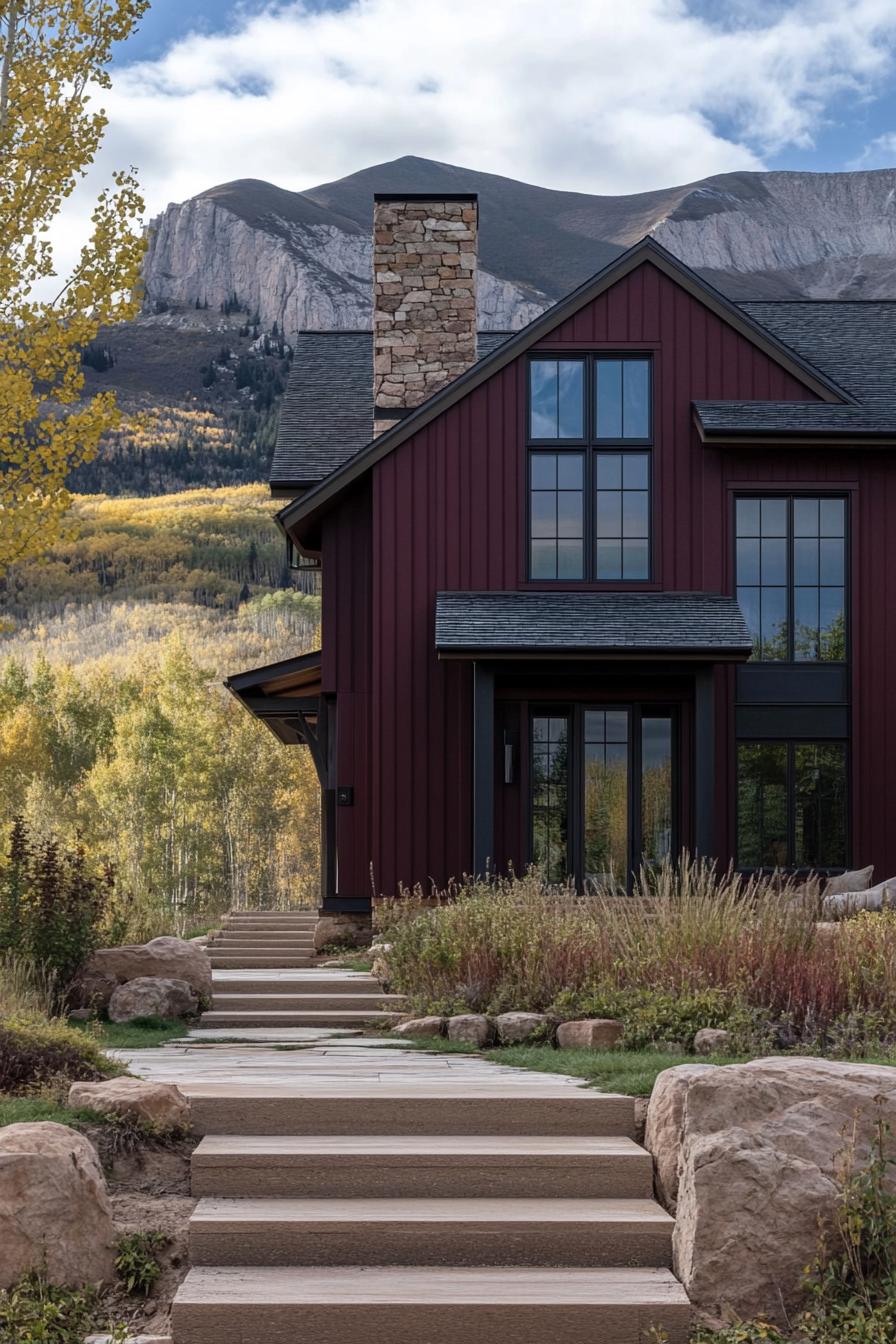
(286, 696)
(493, 629)
(703, 627)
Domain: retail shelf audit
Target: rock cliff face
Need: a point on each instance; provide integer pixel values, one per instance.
(304, 277)
(303, 259)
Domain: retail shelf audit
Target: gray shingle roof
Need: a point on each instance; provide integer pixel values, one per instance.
(327, 412)
(326, 416)
(853, 342)
(590, 623)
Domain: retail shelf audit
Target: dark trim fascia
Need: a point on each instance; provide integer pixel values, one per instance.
(799, 439)
(307, 509)
(704, 655)
(245, 681)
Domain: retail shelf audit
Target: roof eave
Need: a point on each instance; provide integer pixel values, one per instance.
(308, 510)
(713, 654)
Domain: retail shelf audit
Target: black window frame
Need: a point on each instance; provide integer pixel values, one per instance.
(574, 712)
(791, 745)
(588, 447)
(789, 496)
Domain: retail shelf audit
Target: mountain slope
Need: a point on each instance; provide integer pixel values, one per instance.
(302, 259)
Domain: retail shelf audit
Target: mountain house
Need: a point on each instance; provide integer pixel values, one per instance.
(607, 586)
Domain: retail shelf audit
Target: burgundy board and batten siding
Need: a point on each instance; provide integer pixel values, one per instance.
(446, 510)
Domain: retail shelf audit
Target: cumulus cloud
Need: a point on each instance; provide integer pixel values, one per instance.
(605, 96)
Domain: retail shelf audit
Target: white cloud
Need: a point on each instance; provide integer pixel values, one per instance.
(880, 153)
(606, 96)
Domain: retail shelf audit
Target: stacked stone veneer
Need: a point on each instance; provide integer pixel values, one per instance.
(424, 299)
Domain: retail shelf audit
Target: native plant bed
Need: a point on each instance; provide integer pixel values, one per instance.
(693, 948)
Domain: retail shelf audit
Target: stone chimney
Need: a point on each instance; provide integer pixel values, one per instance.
(424, 298)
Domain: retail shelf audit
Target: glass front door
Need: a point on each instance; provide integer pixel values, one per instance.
(602, 796)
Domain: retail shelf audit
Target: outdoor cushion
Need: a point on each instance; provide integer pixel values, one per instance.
(857, 880)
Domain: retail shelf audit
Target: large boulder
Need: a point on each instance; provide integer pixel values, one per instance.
(590, 1033)
(521, 1028)
(470, 1028)
(160, 1107)
(748, 1156)
(55, 1212)
(148, 997)
(160, 959)
(421, 1026)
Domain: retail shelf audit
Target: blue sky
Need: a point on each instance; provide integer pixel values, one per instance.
(599, 96)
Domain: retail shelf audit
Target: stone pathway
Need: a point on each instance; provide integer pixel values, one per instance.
(355, 1188)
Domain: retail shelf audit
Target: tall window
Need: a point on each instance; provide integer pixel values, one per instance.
(589, 497)
(791, 804)
(550, 772)
(791, 577)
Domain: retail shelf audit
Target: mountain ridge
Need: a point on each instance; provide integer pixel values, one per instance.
(303, 259)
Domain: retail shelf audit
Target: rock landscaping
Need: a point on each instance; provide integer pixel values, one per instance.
(748, 1158)
(148, 996)
(55, 1212)
(160, 1107)
(519, 1028)
(712, 1041)
(159, 959)
(473, 1028)
(421, 1026)
(596, 1033)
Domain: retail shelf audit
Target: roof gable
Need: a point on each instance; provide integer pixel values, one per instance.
(301, 514)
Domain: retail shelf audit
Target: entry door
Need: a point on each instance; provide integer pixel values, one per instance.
(603, 796)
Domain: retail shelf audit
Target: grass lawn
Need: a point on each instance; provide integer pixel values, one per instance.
(141, 1034)
(632, 1072)
(23, 1110)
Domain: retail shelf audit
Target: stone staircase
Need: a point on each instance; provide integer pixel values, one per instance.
(362, 1192)
(351, 1191)
(265, 974)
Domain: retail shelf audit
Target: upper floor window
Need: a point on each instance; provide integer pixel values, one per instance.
(589, 507)
(791, 576)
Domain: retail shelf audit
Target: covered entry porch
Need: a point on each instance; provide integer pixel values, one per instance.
(595, 718)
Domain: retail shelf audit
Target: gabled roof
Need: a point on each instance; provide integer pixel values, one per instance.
(855, 339)
(302, 513)
(326, 417)
(590, 624)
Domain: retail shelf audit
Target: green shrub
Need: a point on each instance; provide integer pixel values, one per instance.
(653, 1016)
(52, 906)
(34, 1311)
(137, 1260)
(36, 1052)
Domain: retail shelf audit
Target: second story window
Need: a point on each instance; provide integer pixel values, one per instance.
(791, 576)
(590, 430)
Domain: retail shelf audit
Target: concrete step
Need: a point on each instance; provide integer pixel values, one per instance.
(394, 1108)
(568, 1232)
(265, 936)
(307, 1002)
(310, 1017)
(313, 980)
(417, 1166)
(246, 960)
(266, 946)
(436, 1305)
(281, 922)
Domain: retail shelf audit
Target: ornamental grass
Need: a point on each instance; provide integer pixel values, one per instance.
(690, 942)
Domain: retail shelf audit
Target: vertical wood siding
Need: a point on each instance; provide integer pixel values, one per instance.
(448, 512)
